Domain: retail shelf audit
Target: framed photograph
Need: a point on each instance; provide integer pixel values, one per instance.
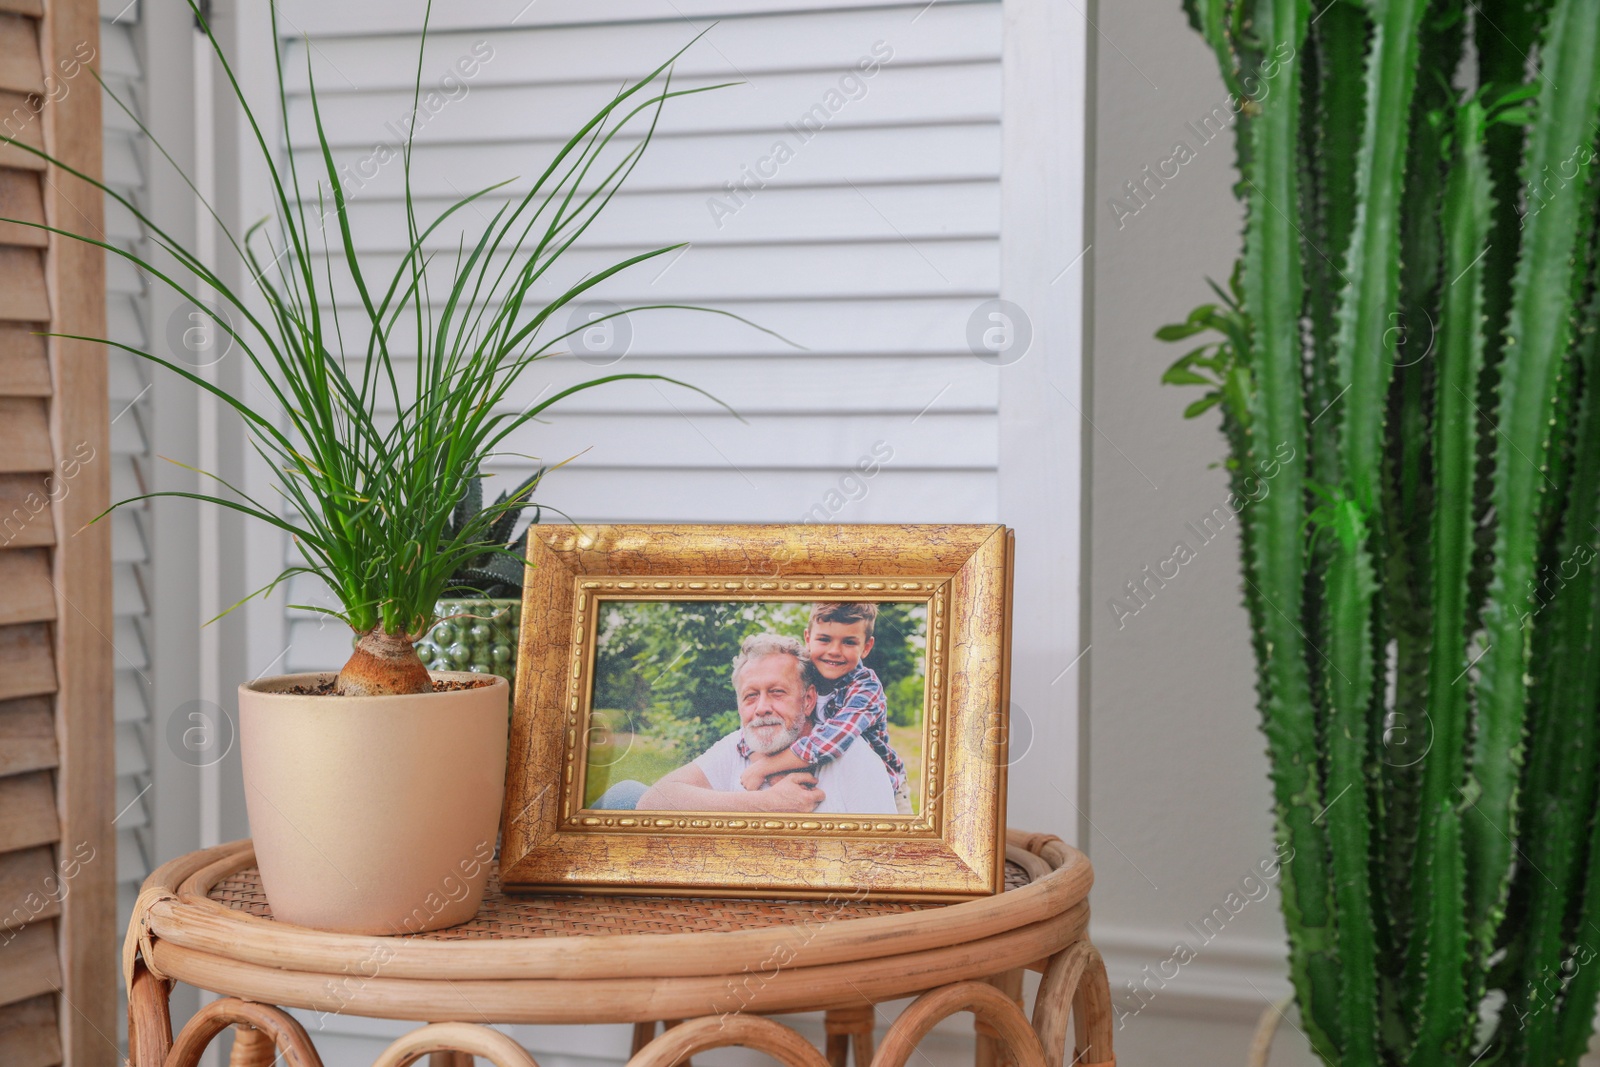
(788, 711)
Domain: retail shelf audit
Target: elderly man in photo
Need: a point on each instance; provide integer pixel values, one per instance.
(772, 683)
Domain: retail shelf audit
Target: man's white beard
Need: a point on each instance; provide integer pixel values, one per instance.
(776, 741)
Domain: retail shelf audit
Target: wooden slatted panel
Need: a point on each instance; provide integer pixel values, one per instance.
(22, 113)
(19, 55)
(27, 661)
(32, 966)
(24, 512)
(56, 733)
(27, 811)
(27, 736)
(30, 892)
(30, 1034)
(23, 296)
(20, 199)
(24, 436)
(25, 577)
(84, 781)
(24, 356)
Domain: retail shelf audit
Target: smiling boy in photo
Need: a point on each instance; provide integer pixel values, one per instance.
(850, 700)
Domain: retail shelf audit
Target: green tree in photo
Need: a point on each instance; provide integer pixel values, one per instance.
(663, 674)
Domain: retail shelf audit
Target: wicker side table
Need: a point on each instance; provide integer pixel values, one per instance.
(711, 969)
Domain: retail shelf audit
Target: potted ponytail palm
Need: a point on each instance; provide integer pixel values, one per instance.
(1411, 353)
(374, 793)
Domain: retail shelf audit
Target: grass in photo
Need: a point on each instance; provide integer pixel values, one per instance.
(759, 706)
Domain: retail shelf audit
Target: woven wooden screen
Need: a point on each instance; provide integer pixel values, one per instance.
(57, 867)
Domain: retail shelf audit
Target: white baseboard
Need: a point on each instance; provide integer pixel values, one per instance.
(1228, 978)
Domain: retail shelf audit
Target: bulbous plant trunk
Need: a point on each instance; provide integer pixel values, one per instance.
(383, 665)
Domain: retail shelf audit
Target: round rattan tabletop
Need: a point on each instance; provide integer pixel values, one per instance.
(203, 919)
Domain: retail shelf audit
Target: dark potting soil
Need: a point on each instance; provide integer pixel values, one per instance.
(325, 689)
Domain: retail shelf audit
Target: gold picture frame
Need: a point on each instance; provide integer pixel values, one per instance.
(951, 849)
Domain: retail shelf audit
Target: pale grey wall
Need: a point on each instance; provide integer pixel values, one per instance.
(1177, 786)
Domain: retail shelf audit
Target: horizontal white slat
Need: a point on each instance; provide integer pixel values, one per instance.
(121, 12)
(116, 117)
(872, 270)
(910, 326)
(131, 805)
(767, 442)
(122, 168)
(131, 705)
(124, 321)
(124, 484)
(119, 56)
(316, 17)
(121, 224)
(777, 104)
(705, 162)
(126, 181)
(728, 495)
(127, 596)
(774, 214)
(126, 377)
(122, 277)
(131, 758)
(754, 387)
(130, 646)
(131, 863)
(724, 495)
(743, 47)
(127, 437)
(127, 539)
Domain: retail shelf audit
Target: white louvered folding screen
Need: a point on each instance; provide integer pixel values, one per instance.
(127, 321)
(846, 195)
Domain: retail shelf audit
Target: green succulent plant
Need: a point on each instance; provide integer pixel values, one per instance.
(493, 575)
(1414, 320)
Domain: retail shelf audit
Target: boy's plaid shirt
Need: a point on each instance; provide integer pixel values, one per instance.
(856, 708)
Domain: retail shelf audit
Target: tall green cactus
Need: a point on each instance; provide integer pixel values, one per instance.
(1418, 327)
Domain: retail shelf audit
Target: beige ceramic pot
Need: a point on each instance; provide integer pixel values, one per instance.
(373, 815)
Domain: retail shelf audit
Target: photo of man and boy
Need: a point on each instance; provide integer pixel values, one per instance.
(769, 706)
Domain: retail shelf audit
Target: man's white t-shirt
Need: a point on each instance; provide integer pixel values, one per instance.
(854, 784)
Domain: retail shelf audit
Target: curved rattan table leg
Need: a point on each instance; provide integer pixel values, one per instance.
(469, 1038)
(718, 1031)
(1091, 1007)
(992, 1007)
(288, 1038)
(988, 1052)
(1075, 985)
(849, 1035)
(149, 1018)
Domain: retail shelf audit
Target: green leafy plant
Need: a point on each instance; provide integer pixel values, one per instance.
(495, 575)
(1414, 319)
(373, 496)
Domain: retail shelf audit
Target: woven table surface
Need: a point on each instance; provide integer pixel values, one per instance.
(503, 916)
